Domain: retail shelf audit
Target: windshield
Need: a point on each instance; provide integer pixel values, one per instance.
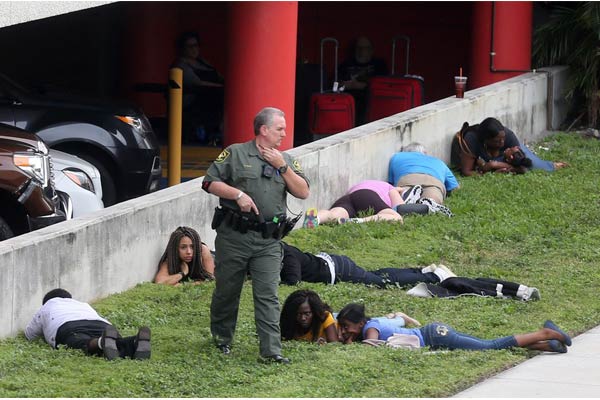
(12, 86)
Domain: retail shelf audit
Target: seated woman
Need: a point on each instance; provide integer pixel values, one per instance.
(378, 196)
(483, 146)
(331, 268)
(304, 316)
(355, 326)
(186, 258)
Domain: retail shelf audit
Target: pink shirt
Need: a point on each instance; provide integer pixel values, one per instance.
(382, 189)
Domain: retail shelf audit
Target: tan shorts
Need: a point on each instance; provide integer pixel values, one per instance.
(432, 187)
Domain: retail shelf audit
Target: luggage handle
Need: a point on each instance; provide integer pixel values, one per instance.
(323, 41)
(407, 40)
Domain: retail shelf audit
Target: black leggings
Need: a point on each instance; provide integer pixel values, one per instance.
(361, 200)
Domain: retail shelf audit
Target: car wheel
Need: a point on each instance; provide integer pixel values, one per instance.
(109, 189)
(5, 231)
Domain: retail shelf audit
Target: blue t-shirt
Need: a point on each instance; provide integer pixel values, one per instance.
(408, 162)
(388, 326)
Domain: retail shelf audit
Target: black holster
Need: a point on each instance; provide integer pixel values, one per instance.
(218, 218)
(288, 225)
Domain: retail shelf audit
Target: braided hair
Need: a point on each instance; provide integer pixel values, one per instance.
(289, 312)
(171, 254)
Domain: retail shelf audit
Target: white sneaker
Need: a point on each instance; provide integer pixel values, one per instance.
(412, 195)
(532, 294)
(443, 272)
(435, 207)
(420, 290)
(429, 268)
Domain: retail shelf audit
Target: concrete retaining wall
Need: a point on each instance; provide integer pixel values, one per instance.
(114, 249)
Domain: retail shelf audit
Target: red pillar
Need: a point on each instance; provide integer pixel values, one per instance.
(510, 40)
(148, 50)
(261, 68)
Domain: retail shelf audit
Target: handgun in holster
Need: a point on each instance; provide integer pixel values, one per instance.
(217, 218)
(234, 221)
(244, 222)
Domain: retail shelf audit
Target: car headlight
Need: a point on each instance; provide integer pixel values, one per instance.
(134, 122)
(42, 147)
(140, 126)
(80, 178)
(34, 165)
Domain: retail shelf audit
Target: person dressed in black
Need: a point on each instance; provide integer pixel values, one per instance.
(63, 320)
(356, 71)
(327, 268)
(430, 281)
(203, 91)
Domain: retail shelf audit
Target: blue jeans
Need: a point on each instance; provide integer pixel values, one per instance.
(346, 270)
(538, 163)
(442, 336)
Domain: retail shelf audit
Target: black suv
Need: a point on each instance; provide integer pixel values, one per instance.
(116, 138)
(28, 200)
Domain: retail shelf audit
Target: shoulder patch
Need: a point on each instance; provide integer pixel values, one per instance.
(296, 165)
(223, 156)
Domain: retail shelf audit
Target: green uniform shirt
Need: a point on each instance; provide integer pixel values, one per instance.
(241, 166)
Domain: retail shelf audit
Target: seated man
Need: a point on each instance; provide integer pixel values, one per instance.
(413, 167)
(63, 320)
(356, 71)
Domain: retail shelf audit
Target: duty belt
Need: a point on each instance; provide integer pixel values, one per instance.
(277, 228)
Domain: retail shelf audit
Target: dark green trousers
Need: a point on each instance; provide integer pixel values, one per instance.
(236, 255)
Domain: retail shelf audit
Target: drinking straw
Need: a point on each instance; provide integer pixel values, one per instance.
(460, 72)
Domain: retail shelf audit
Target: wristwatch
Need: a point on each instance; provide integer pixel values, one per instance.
(283, 169)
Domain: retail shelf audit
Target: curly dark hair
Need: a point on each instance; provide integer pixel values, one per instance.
(287, 322)
(520, 160)
(171, 254)
(489, 128)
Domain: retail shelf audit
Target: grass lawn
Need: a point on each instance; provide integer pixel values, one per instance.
(540, 229)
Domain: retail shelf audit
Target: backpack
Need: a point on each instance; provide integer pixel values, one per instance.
(459, 145)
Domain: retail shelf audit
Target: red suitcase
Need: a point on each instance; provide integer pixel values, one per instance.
(330, 112)
(389, 95)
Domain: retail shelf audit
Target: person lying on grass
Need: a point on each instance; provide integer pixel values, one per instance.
(64, 321)
(371, 195)
(355, 326)
(186, 258)
(304, 316)
(328, 268)
(433, 280)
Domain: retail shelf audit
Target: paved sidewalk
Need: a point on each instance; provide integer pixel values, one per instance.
(574, 374)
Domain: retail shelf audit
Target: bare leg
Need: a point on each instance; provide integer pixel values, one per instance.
(529, 339)
(384, 215)
(326, 216)
(93, 348)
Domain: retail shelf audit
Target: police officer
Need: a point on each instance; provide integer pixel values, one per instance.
(252, 179)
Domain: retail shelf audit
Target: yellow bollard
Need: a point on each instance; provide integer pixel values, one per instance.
(175, 116)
